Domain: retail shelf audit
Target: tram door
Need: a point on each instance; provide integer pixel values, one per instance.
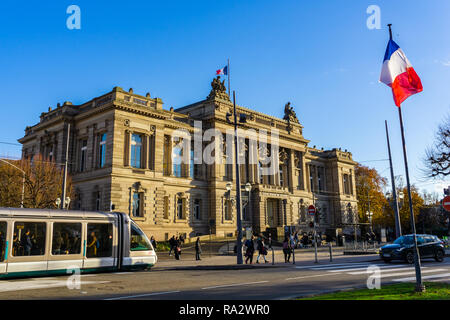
(99, 246)
(3, 246)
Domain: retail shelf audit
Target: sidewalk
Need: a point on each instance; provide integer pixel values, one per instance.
(228, 262)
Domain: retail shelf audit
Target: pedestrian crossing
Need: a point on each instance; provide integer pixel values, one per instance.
(396, 272)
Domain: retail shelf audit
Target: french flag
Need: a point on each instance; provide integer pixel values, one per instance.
(398, 74)
(223, 71)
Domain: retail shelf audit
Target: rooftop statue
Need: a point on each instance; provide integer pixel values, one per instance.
(289, 113)
(218, 89)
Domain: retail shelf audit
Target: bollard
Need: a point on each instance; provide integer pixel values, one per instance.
(331, 252)
(293, 255)
(273, 257)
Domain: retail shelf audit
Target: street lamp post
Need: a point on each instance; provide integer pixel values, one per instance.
(238, 181)
(63, 195)
(23, 180)
(248, 188)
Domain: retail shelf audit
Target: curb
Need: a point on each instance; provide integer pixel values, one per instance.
(219, 267)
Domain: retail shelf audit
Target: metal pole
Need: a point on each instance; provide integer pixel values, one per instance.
(293, 253)
(273, 257)
(315, 233)
(331, 252)
(23, 189)
(63, 197)
(419, 285)
(398, 225)
(238, 187)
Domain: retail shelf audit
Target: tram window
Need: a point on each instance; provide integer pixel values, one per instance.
(99, 240)
(29, 239)
(66, 238)
(2, 240)
(138, 240)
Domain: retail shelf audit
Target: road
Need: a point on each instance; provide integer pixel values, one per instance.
(262, 282)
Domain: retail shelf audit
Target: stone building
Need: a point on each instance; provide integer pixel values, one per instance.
(124, 152)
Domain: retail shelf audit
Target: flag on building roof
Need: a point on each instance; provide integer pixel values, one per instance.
(398, 74)
(223, 71)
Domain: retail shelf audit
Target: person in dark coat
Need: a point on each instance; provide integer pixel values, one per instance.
(172, 244)
(261, 250)
(250, 250)
(198, 249)
(286, 250)
(177, 249)
(153, 242)
(27, 243)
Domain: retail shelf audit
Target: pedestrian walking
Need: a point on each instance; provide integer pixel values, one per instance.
(198, 249)
(177, 249)
(261, 250)
(296, 239)
(250, 249)
(172, 244)
(153, 242)
(286, 250)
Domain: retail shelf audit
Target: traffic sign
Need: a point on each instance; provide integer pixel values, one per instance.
(446, 203)
(311, 210)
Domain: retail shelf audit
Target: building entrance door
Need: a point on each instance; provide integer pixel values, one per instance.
(273, 212)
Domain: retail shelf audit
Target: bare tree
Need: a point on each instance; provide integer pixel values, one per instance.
(437, 157)
(43, 181)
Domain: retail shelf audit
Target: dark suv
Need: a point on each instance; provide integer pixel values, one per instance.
(402, 248)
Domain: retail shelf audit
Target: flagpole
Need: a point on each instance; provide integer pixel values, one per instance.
(419, 285)
(398, 225)
(229, 86)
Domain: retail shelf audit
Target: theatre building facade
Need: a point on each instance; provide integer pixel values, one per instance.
(124, 152)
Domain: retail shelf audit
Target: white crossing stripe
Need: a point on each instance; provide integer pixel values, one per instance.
(379, 266)
(332, 265)
(411, 272)
(348, 266)
(442, 275)
(314, 276)
(440, 280)
(385, 270)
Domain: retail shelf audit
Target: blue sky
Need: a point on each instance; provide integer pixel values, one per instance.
(319, 55)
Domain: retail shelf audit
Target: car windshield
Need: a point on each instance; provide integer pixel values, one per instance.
(404, 240)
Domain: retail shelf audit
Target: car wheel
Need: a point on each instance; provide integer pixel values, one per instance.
(409, 257)
(439, 256)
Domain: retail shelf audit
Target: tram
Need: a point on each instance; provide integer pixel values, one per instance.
(36, 242)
